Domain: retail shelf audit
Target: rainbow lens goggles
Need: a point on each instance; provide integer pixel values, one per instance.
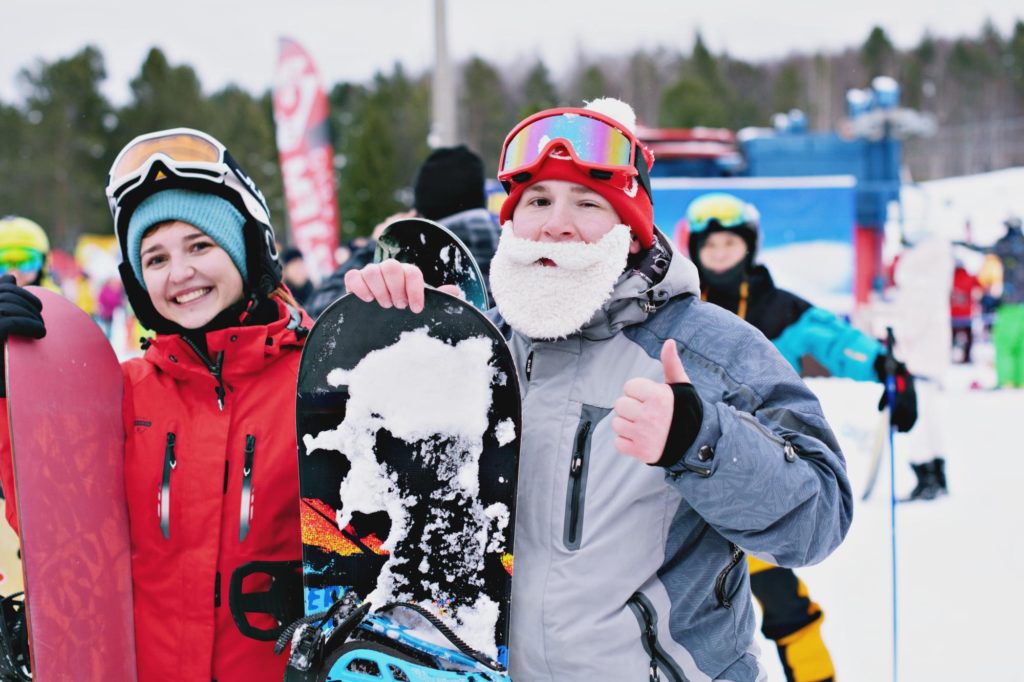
(594, 141)
(21, 259)
(724, 209)
(185, 154)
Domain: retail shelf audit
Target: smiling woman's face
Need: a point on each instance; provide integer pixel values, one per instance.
(190, 278)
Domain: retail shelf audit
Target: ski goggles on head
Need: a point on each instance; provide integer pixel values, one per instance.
(724, 209)
(184, 154)
(21, 259)
(594, 141)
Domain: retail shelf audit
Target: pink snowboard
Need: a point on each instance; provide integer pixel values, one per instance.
(64, 409)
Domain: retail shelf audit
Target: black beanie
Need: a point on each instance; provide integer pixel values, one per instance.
(450, 181)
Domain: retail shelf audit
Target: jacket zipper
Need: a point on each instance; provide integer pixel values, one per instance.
(164, 497)
(529, 365)
(215, 369)
(245, 512)
(660, 662)
(737, 555)
(576, 476)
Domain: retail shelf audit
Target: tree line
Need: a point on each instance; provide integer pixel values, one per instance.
(57, 145)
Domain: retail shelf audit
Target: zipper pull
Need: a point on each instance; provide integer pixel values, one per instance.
(216, 372)
(576, 467)
(245, 511)
(652, 641)
(529, 365)
(164, 496)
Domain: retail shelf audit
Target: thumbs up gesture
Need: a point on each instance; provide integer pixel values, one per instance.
(643, 413)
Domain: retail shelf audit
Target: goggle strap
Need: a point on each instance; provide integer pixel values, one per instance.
(643, 174)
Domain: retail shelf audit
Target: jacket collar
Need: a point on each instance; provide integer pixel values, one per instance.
(662, 273)
(247, 349)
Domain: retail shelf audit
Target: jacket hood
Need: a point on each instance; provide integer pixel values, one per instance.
(660, 274)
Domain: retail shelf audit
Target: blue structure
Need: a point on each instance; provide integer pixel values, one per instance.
(868, 149)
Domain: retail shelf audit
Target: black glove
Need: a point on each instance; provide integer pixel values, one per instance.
(904, 413)
(20, 311)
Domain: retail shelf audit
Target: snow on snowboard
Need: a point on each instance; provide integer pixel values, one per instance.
(64, 396)
(408, 429)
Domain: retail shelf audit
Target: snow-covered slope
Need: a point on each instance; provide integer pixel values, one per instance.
(959, 558)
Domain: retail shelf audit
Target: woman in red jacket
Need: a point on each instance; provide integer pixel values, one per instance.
(208, 410)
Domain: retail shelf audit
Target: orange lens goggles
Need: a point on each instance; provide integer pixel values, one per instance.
(180, 147)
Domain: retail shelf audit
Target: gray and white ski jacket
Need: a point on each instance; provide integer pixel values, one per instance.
(622, 568)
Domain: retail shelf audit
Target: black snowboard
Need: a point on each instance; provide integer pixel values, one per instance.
(437, 252)
(437, 533)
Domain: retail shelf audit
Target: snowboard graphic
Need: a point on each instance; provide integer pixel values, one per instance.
(408, 430)
(436, 251)
(64, 410)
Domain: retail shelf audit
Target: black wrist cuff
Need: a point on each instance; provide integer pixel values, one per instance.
(687, 416)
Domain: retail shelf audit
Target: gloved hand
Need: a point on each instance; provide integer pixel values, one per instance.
(904, 413)
(20, 315)
(20, 311)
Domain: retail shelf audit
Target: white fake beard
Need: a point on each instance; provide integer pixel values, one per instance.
(545, 302)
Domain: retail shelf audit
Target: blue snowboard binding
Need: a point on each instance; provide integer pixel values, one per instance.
(347, 643)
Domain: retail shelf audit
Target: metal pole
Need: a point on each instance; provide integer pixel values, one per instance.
(442, 131)
(890, 393)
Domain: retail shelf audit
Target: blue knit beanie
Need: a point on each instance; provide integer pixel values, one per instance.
(215, 216)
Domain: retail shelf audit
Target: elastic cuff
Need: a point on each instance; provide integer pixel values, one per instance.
(687, 416)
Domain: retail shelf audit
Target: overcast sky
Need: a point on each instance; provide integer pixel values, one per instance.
(228, 41)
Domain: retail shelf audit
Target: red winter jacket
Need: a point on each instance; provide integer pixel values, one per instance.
(962, 296)
(183, 626)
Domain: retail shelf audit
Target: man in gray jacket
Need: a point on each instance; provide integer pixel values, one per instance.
(662, 437)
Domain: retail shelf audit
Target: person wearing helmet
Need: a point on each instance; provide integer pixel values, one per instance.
(209, 409)
(662, 437)
(24, 248)
(723, 233)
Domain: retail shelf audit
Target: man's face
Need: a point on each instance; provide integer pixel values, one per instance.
(722, 250)
(560, 211)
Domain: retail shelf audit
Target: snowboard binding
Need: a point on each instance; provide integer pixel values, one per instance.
(347, 643)
(15, 665)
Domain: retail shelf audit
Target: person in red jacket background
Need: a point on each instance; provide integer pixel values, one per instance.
(208, 410)
(963, 306)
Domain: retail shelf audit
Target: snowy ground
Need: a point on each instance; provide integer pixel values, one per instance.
(959, 558)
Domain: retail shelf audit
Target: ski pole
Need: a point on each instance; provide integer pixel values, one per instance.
(890, 393)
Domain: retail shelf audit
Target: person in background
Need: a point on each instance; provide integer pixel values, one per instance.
(662, 437)
(963, 309)
(24, 250)
(296, 276)
(449, 190)
(722, 233)
(1008, 328)
(917, 309)
(209, 410)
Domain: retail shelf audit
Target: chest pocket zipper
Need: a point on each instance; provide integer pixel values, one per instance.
(579, 465)
(163, 502)
(246, 508)
(574, 522)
